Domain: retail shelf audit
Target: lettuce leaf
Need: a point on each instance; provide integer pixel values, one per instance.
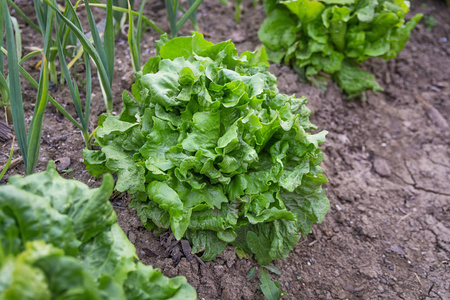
(147, 283)
(89, 209)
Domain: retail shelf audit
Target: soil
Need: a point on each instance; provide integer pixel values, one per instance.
(387, 235)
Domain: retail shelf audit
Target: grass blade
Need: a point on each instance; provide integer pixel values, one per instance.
(28, 56)
(4, 89)
(139, 33)
(68, 37)
(117, 15)
(124, 10)
(35, 132)
(108, 40)
(87, 103)
(87, 46)
(194, 19)
(5, 168)
(58, 106)
(73, 88)
(24, 16)
(87, 106)
(96, 37)
(132, 41)
(34, 140)
(172, 18)
(3, 84)
(33, 82)
(18, 37)
(39, 13)
(108, 61)
(2, 30)
(65, 34)
(76, 58)
(52, 67)
(188, 13)
(134, 38)
(70, 83)
(238, 11)
(4, 93)
(14, 85)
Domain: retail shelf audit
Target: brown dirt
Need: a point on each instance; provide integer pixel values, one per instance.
(387, 235)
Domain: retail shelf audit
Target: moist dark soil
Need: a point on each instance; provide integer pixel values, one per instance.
(387, 235)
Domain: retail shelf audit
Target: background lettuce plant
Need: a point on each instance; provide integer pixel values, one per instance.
(212, 150)
(60, 240)
(333, 35)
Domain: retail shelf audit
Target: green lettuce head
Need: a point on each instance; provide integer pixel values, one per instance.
(212, 150)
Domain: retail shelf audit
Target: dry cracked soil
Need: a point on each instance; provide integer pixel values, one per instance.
(387, 235)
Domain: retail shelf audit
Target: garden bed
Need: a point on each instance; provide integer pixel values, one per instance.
(387, 234)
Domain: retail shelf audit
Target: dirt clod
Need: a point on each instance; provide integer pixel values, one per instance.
(62, 163)
(381, 166)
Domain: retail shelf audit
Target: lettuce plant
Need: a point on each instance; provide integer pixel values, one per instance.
(60, 240)
(331, 36)
(212, 150)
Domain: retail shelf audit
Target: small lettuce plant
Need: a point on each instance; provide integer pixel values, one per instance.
(333, 36)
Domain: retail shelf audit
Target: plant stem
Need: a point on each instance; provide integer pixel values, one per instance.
(172, 15)
(11, 152)
(87, 139)
(194, 19)
(8, 112)
(124, 10)
(237, 12)
(188, 13)
(52, 71)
